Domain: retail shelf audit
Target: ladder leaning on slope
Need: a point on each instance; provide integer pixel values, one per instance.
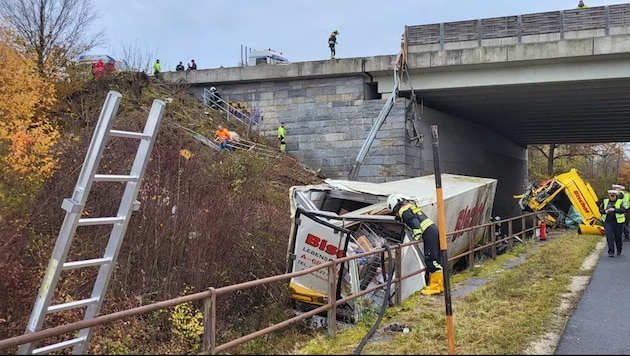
(74, 208)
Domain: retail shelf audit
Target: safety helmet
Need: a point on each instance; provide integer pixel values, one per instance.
(336, 32)
(618, 187)
(393, 199)
(213, 89)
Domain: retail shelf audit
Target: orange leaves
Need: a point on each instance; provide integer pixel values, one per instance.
(26, 135)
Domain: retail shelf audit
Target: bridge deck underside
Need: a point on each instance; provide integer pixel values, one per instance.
(569, 112)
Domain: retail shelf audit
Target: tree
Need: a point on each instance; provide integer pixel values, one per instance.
(55, 30)
(598, 164)
(26, 135)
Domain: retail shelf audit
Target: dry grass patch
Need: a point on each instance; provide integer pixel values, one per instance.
(501, 317)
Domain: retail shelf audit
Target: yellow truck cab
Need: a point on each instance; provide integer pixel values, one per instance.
(571, 200)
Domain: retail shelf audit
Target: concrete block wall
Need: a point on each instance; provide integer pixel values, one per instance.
(468, 149)
(327, 121)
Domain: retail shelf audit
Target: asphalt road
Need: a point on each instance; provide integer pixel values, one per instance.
(600, 323)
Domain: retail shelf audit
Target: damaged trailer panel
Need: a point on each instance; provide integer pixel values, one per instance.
(340, 218)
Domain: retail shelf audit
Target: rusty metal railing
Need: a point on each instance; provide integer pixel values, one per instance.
(209, 297)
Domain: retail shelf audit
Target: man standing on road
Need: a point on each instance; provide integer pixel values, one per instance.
(625, 200)
(613, 216)
(282, 137)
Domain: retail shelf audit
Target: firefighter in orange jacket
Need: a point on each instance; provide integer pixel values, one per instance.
(423, 228)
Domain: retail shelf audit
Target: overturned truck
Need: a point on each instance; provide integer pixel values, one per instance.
(342, 218)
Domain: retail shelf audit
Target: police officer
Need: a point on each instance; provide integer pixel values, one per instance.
(613, 216)
(625, 199)
(423, 228)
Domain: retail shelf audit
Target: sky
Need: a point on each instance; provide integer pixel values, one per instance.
(212, 31)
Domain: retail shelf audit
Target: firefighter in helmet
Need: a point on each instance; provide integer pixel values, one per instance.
(332, 41)
(423, 228)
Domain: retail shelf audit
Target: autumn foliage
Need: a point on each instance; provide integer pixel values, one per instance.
(27, 136)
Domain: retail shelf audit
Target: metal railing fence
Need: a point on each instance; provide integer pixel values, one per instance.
(209, 297)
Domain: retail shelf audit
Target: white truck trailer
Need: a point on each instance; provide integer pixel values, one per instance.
(340, 218)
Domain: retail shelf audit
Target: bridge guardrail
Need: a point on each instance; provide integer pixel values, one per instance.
(211, 100)
(597, 17)
(209, 297)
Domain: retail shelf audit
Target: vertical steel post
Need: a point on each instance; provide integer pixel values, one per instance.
(443, 248)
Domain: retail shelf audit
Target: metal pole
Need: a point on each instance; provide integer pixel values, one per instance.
(207, 302)
(332, 300)
(443, 248)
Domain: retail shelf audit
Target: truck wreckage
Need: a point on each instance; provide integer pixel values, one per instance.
(342, 218)
(572, 203)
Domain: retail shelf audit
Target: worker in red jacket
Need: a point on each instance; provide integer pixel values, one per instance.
(99, 68)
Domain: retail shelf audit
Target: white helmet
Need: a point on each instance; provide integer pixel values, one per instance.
(393, 199)
(213, 89)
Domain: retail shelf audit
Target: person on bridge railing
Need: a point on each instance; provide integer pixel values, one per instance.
(423, 228)
(613, 216)
(625, 198)
(582, 5)
(332, 41)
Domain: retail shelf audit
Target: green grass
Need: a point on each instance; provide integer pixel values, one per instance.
(501, 317)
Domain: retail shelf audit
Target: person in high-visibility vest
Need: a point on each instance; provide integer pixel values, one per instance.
(332, 41)
(282, 137)
(582, 5)
(625, 199)
(614, 217)
(157, 68)
(423, 228)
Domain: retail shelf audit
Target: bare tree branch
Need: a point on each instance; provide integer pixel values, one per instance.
(56, 31)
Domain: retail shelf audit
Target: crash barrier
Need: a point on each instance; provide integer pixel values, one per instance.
(602, 18)
(529, 225)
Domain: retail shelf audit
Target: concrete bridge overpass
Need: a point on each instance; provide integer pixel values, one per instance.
(492, 86)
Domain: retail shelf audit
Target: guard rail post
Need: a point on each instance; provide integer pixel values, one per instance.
(398, 280)
(332, 300)
(511, 239)
(523, 228)
(471, 253)
(210, 322)
(493, 239)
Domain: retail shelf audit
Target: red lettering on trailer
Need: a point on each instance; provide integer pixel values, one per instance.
(468, 217)
(323, 245)
(580, 199)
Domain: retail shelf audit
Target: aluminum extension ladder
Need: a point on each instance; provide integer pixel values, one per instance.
(74, 208)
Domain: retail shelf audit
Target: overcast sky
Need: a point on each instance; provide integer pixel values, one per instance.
(212, 31)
